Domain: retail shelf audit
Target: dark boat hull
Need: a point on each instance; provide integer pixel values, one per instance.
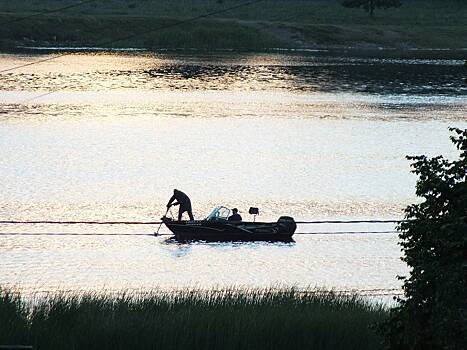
(229, 231)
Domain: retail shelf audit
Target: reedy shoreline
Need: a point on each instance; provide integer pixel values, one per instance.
(227, 319)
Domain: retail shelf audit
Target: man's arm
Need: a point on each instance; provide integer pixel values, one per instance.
(170, 201)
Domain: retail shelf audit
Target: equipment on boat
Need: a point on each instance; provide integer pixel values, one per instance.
(157, 232)
(217, 227)
(253, 211)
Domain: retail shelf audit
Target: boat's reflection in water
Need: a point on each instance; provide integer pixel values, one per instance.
(179, 248)
(183, 243)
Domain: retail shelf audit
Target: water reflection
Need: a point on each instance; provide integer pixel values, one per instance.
(300, 135)
(374, 78)
(182, 248)
(141, 106)
(175, 248)
(348, 263)
(241, 73)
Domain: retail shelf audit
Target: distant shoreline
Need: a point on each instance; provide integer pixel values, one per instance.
(438, 26)
(409, 53)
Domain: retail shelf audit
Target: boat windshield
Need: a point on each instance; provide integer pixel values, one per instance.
(219, 213)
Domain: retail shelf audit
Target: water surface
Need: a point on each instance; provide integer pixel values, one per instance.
(108, 136)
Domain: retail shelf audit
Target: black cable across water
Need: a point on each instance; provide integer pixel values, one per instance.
(49, 222)
(15, 222)
(166, 234)
(26, 222)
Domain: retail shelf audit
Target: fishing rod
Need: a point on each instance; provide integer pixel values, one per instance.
(168, 208)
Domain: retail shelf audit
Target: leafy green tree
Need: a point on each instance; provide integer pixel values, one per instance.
(433, 313)
(370, 5)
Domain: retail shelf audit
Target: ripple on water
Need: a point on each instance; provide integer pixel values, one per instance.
(312, 137)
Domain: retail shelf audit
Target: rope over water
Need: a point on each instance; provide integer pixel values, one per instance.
(48, 222)
(168, 234)
(26, 222)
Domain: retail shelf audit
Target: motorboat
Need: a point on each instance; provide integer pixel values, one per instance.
(217, 227)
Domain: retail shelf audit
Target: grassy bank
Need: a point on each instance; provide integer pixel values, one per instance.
(241, 319)
(270, 23)
(118, 31)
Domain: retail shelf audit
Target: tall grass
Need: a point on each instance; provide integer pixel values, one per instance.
(226, 319)
(13, 318)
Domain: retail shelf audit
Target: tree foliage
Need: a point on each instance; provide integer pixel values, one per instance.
(370, 5)
(432, 314)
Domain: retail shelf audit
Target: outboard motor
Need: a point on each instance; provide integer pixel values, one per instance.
(286, 224)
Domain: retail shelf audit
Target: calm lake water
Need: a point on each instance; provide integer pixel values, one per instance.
(314, 136)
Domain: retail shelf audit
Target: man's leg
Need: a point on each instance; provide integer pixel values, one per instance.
(190, 214)
(180, 213)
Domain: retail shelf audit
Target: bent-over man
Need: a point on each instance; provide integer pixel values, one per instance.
(184, 201)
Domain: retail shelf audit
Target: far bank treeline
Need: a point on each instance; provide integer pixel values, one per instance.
(256, 25)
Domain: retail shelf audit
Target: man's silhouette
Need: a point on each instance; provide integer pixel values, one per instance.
(185, 204)
(235, 216)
